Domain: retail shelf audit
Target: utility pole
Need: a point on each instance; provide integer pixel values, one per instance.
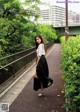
(66, 28)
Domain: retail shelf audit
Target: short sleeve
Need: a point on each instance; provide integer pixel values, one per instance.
(41, 50)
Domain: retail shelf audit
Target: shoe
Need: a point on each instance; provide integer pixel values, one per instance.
(40, 94)
(49, 83)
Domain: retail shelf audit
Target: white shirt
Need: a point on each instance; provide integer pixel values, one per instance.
(40, 50)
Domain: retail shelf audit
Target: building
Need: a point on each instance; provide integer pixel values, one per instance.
(45, 17)
(55, 15)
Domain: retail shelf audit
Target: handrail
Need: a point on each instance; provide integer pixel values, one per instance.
(16, 53)
(8, 56)
(16, 60)
(13, 63)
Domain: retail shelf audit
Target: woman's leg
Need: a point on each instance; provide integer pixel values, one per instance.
(35, 74)
(42, 86)
(42, 89)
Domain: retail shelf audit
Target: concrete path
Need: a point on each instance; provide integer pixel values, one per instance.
(21, 96)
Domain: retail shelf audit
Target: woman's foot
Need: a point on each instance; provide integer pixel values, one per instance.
(50, 82)
(41, 94)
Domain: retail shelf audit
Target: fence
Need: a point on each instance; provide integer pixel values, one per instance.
(13, 63)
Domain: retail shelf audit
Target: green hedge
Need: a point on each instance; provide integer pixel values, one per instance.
(70, 58)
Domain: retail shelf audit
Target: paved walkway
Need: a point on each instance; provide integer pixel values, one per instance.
(22, 97)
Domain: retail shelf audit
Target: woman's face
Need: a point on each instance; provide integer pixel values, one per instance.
(38, 40)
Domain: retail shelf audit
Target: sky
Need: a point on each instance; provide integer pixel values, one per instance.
(73, 5)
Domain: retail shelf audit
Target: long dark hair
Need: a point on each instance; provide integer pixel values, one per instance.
(41, 40)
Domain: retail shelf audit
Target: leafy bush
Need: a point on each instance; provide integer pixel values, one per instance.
(71, 72)
(17, 31)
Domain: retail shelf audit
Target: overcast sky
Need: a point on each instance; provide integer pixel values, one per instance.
(73, 5)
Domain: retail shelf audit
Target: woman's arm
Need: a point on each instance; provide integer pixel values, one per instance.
(38, 58)
(41, 51)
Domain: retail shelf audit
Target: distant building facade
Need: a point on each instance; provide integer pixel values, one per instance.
(55, 15)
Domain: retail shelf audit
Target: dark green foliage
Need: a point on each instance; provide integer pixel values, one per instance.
(17, 32)
(71, 72)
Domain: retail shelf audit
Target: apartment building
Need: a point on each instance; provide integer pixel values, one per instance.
(55, 15)
(45, 17)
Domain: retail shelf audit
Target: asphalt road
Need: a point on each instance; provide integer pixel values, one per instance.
(53, 97)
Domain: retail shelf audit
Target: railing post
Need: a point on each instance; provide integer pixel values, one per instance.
(66, 28)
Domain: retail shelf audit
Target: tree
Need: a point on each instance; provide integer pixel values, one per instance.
(14, 17)
(47, 31)
(17, 31)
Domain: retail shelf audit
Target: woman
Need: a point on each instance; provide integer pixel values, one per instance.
(41, 75)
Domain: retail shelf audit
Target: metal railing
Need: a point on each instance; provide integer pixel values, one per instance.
(13, 63)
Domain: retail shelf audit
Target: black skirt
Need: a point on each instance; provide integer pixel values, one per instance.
(42, 74)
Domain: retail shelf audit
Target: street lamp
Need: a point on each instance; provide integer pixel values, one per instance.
(66, 28)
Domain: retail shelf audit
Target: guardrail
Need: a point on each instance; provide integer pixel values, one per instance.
(13, 63)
